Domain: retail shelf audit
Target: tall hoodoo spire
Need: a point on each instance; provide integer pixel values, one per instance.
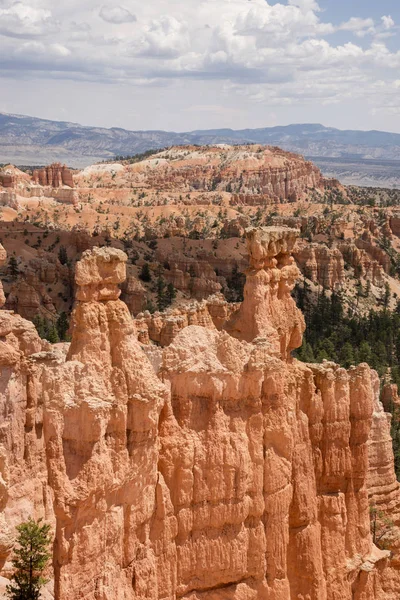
(268, 310)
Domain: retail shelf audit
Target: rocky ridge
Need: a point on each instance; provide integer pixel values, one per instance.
(250, 174)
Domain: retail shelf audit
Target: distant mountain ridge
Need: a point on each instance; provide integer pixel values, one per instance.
(28, 140)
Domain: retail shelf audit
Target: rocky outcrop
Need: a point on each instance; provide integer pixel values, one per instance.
(390, 397)
(102, 410)
(23, 473)
(326, 266)
(394, 223)
(55, 176)
(33, 292)
(245, 171)
(3, 259)
(9, 198)
(273, 505)
(364, 265)
(241, 474)
(162, 327)
(24, 491)
(7, 180)
(11, 177)
(133, 294)
(63, 195)
(235, 227)
(198, 278)
(249, 174)
(320, 264)
(30, 300)
(367, 243)
(201, 271)
(268, 312)
(383, 486)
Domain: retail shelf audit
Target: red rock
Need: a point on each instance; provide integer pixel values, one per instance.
(55, 175)
(242, 475)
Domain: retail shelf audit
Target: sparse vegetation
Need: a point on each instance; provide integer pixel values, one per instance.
(31, 556)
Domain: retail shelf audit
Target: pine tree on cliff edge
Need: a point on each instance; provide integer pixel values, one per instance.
(30, 559)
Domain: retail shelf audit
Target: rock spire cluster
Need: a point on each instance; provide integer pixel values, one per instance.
(238, 473)
(55, 175)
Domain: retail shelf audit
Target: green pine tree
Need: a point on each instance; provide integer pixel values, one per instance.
(62, 255)
(13, 266)
(386, 296)
(162, 299)
(145, 274)
(52, 335)
(346, 355)
(39, 323)
(171, 293)
(62, 326)
(364, 352)
(30, 560)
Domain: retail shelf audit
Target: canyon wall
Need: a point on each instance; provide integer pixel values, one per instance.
(239, 473)
(24, 490)
(246, 174)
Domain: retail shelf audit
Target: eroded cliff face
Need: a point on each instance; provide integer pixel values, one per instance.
(23, 471)
(102, 409)
(250, 174)
(320, 264)
(238, 473)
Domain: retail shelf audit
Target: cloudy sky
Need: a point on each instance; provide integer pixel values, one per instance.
(191, 64)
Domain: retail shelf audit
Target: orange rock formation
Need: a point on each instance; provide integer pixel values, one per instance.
(251, 174)
(242, 475)
(163, 327)
(55, 175)
(320, 264)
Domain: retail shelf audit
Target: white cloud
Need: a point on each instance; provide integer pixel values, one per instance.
(23, 20)
(35, 48)
(306, 5)
(117, 15)
(281, 21)
(387, 22)
(359, 27)
(276, 53)
(164, 38)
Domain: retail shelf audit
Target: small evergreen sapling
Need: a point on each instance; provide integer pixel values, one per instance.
(13, 266)
(30, 560)
(145, 273)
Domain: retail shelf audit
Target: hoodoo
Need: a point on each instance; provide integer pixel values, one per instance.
(239, 473)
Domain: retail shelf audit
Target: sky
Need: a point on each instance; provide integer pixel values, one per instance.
(182, 65)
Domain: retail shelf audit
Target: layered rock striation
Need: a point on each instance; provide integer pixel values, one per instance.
(246, 174)
(239, 473)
